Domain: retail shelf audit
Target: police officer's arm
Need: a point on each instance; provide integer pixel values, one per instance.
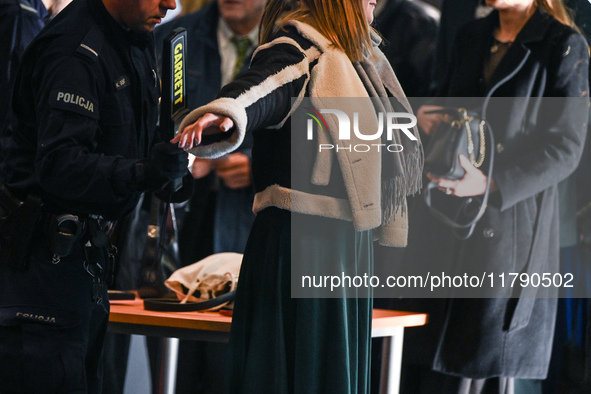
(83, 158)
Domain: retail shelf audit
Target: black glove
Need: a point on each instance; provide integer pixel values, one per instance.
(166, 163)
(182, 194)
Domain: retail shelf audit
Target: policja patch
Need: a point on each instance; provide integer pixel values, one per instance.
(69, 100)
(16, 315)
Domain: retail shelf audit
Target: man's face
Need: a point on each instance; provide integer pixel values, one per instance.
(144, 15)
(241, 11)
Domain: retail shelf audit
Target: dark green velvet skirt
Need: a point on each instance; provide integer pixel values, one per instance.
(282, 344)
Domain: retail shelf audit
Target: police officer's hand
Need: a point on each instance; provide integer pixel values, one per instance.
(166, 163)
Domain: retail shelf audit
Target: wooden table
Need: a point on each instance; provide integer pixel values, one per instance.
(129, 317)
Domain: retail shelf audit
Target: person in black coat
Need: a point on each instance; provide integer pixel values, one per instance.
(409, 29)
(219, 216)
(523, 53)
(570, 360)
(21, 21)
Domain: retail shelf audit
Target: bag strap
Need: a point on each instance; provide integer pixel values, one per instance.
(453, 223)
(173, 305)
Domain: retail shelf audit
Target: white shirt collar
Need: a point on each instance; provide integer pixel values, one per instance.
(226, 33)
(228, 51)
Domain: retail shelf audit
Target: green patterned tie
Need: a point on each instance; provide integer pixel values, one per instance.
(242, 45)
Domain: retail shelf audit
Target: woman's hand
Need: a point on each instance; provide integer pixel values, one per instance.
(473, 183)
(209, 123)
(201, 167)
(429, 122)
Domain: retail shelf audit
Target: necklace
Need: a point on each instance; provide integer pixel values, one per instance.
(498, 45)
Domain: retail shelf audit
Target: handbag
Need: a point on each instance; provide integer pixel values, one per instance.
(160, 252)
(466, 135)
(462, 136)
(207, 285)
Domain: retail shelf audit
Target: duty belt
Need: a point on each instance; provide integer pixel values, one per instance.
(92, 232)
(66, 230)
(24, 226)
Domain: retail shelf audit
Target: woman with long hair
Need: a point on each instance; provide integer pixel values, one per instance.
(525, 68)
(328, 217)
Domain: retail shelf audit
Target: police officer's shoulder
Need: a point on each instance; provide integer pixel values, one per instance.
(17, 7)
(29, 7)
(91, 44)
(85, 45)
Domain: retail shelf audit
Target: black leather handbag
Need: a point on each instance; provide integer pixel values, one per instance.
(469, 135)
(464, 135)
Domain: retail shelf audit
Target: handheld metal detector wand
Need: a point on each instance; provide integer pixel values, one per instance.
(173, 105)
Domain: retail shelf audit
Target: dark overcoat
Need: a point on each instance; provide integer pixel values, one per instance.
(409, 30)
(233, 215)
(538, 144)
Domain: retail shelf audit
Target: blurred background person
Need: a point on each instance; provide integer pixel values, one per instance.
(191, 6)
(409, 29)
(570, 366)
(484, 344)
(221, 38)
(454, 15)
(20, 21)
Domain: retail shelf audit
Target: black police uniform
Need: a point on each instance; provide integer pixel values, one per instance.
(84, 112)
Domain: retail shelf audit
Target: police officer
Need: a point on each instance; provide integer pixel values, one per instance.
(80, 147)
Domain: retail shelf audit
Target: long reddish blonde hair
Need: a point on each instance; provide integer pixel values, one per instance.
(556, 9)
(343, 22)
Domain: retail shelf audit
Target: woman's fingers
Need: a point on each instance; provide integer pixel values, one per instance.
(209, 123)
(188, 135)
(473, 183)
(226, 124)
(467, 165)
(212, 123)
(191, 135)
